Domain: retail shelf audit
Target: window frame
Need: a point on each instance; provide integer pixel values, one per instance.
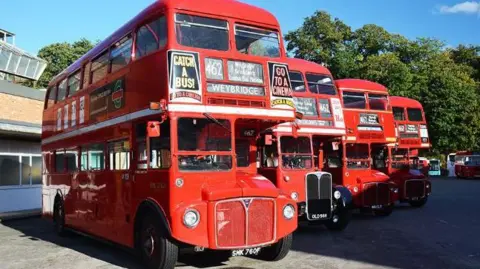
(403, 113)
(258, 28)
(320, 74)
(303, 80)
(88, 147)
(47, 96)
(72, 75)
(105, 52)
(112, 150)
(146, 24)
(355, 92)
(55, 161)
(115, 45)
(64, 80)
(378, 98)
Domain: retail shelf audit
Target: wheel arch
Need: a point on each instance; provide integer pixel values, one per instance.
(150, 206)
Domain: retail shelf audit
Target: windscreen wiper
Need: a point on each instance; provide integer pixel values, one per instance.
(212, 119)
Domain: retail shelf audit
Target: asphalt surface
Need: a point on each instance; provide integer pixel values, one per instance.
(443, 234)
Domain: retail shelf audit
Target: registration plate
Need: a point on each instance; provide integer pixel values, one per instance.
(377, 206)
(245, 252)
(414, 198)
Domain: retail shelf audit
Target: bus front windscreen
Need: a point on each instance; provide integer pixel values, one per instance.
(204, 145)
(414, 114)
(358, 156)
(201, 32)
(296, 152)
(257, 41)
(400, 159)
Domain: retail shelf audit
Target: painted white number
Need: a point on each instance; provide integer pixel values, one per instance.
(74, 113)
(59, 119)
(65, 117)
(81, 113)
(319, 216)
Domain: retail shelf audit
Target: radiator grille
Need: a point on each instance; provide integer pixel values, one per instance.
(244, 222)
(319, 196)
(235, 102)
(414, 189)
(376, 193)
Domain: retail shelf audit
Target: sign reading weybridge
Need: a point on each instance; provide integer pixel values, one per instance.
(106, 99)
(184, 76)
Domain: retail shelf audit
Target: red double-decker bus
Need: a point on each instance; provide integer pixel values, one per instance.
(467, 164)
(404, 166)
(290, 155)
(369, 128)
(131, 143)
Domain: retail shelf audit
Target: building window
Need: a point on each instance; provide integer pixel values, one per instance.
(59, 161)
(96, 157)
(74, 83)
(119, 155)
(9, 170)
(62, 90)
(121, 53)
(100, 67)
(151, 37)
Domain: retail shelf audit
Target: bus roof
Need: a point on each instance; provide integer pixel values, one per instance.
(295, 64)
(404, 102)
(360, 84)
(223, 8)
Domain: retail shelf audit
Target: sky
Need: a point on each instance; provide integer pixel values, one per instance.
(40, 23)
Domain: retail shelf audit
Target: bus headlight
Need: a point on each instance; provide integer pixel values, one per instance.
(288, 211)
(337, 195)
(191, 218)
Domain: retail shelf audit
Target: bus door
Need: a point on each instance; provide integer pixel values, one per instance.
(151, 167)
(379, 153)
(267, 147)
(331, 161)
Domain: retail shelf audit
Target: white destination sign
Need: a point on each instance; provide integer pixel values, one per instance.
(235, 89)
(245, 72)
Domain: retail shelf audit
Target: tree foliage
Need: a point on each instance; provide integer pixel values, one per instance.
(445, 81)
(59, 56)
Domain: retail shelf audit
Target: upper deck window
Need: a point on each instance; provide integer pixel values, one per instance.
(256, 41)
(414, 114)
(298, 84)
(74, 83)
(398, 113)
(151, 37)
(62, 90)
(99, 67)
(354, 100)
(52, 95)
(377, 101)
(121, 53)
(201, 32)
(321, 84)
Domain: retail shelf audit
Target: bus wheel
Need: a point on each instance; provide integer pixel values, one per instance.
(419, 203)
(156, 250)
(340, 221)
(384, 212)
(59, 217)
(278, 250)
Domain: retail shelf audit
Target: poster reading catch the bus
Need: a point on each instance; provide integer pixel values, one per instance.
(281, 93)
(184, 77)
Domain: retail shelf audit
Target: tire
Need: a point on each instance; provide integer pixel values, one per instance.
(419, 203)
(59, 218)
(342, 223)
(278, 250)
(384, 212)
(155, 249)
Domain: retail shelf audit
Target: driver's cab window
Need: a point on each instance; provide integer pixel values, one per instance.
(332, 154)
(160, 154)
(380, 156)
(269, 153)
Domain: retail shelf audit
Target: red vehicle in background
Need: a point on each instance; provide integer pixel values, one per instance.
(467, 164)
(129, 145)
(404, 167)
(290, 155)
(357, 162)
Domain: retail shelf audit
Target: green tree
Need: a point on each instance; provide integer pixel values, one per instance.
(59, 56)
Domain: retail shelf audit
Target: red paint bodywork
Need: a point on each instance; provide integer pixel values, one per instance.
(358, 180)
(296, 177)
(467, 168)
(105, 203)
(412, 143)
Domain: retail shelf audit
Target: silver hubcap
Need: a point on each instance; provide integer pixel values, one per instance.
(149, 243)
